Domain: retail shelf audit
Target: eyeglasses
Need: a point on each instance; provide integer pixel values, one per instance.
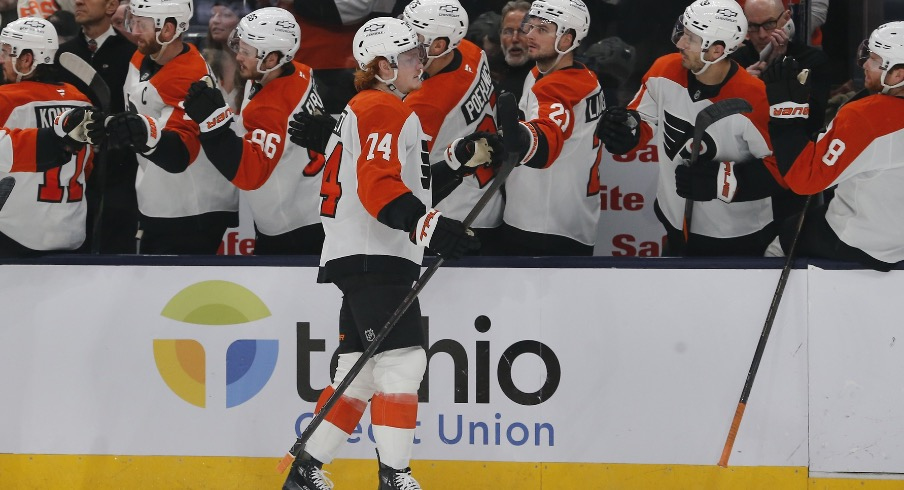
(767, 26)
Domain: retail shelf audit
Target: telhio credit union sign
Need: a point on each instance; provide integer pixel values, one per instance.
(182, 362)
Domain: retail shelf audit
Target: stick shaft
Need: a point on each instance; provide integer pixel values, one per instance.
(764, 337)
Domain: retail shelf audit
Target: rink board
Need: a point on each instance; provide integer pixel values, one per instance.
(548, 377)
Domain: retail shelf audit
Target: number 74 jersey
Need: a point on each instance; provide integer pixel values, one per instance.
(378, 153)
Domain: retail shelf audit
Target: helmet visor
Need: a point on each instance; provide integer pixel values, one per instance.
(542, 26)
(414, 55)
(678, 30)
(863, 53)
(137, 24)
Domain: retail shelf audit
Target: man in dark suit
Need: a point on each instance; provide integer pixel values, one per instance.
(113, 180)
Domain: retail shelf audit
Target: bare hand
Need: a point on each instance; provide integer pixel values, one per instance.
(779, 43)
(757, 68)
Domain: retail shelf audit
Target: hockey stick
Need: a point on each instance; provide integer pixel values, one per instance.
(6, 187)
(704, 120)
(764, 336)
(507, 111)
(86, 73)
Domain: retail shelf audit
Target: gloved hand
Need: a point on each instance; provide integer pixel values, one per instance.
(787, 89)
(619, 130)
(205, 105)
(136, 131)
(311, 131)
(79, 126)
(706, 180)
(445, 236)
(464, 155)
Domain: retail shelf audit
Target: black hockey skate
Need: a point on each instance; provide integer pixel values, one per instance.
(307, 474)
(393, 479)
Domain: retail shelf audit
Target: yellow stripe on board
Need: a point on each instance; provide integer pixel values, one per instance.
(25, 472)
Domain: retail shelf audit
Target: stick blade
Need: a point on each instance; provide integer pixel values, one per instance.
(86, 73)
(284, 463)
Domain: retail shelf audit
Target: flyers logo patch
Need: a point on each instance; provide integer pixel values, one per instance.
(677, 136)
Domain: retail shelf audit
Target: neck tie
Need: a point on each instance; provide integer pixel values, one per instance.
(92, 45)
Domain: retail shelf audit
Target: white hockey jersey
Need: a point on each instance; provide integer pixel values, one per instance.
(862, 152)
(562, 198)
(455, 103)
(668, 113)
(280, 180)
(45, 211)
(379, 153)
(200, 188)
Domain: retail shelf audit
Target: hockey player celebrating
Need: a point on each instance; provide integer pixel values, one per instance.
(185, 204)
(46, 210)
(281, 182)
(376, 194)
(552, 200)
(738, 219)
(456, 99)
(860, 153)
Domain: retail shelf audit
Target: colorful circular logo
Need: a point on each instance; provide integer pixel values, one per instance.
(182, 362)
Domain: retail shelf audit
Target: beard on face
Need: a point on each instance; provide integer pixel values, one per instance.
(516, 59)
(149, 48)
(542, 58)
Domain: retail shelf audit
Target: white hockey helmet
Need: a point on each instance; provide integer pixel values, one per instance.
(434, 19)
(715, 21)
(567, 14)
(160, 10)
(383, 36)
(31, 33)
(268, 30)
(887, 41)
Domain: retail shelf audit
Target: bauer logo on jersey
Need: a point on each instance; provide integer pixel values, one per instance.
(45, 115)
(678, 134)
(473, 106)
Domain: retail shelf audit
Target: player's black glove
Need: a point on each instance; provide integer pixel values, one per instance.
(619, 130)
(478, 149)
(788, 90)
(311, 131)
(205, 105)
(136, 131)
(706, 180)
(79, 126)
(447, 237)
